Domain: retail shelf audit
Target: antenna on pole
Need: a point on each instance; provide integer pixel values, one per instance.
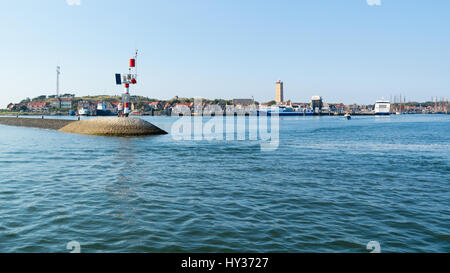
(135, 57)
(58, 72)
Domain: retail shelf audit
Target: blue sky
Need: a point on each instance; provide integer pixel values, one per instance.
(345, 50)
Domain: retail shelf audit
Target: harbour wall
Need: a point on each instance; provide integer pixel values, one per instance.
(53, 124)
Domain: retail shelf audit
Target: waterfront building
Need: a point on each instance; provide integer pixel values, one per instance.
(339, 108)
(354, 108)
(37, 106)
(279, 92)
(182, 108)
(62, 103)
(56, 103)
(66, 103)
(155, 105)
(244, 102)
(317, 104)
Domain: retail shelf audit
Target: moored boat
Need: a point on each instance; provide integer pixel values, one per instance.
(103, 111)
(285, 111)
(83, 112)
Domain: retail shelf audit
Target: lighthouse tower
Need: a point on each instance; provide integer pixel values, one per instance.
(127, 80)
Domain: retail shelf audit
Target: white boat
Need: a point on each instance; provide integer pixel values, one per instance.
(101, 106)
(83, 112)
(285, 111)
(102, 110)
(348, 116)
(383, 108)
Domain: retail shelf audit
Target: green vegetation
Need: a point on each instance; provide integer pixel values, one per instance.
(104, 98)
(40, 98)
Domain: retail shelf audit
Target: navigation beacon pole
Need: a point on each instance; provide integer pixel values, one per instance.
(126, 80)
(126, 100)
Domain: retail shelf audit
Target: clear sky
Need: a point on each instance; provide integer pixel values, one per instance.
(345, 50)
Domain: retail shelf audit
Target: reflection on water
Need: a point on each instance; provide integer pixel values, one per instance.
(123, 192)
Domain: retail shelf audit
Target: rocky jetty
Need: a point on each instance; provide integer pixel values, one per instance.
(113, 126)
(54, 124)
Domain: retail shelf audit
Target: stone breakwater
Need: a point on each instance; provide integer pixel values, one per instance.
(54, 124)
(111, 126)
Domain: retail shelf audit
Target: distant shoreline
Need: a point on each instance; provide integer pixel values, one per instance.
(38, 114)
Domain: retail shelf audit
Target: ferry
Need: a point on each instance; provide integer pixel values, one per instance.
(286, 111)
(383, 108)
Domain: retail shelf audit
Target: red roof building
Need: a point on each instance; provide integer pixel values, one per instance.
(155, 105)
(37, 106)
(12, 105)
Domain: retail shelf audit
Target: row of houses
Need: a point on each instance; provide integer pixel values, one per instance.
(62, 103)
(40, 106)
(67, 103)
(56, 103)
(419, 109)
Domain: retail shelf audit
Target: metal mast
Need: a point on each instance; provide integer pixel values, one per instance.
(58, 72)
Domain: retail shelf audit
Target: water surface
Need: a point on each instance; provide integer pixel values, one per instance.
(331, 186)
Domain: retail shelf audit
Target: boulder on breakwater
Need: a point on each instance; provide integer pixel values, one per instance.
(113, 126)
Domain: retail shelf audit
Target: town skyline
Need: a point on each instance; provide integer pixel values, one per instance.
(349, 52)
(88, 105)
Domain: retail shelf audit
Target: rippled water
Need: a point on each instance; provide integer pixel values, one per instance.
(331, 186)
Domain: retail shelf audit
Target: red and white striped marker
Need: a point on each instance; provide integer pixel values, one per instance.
(128, 79)
(126, 103)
